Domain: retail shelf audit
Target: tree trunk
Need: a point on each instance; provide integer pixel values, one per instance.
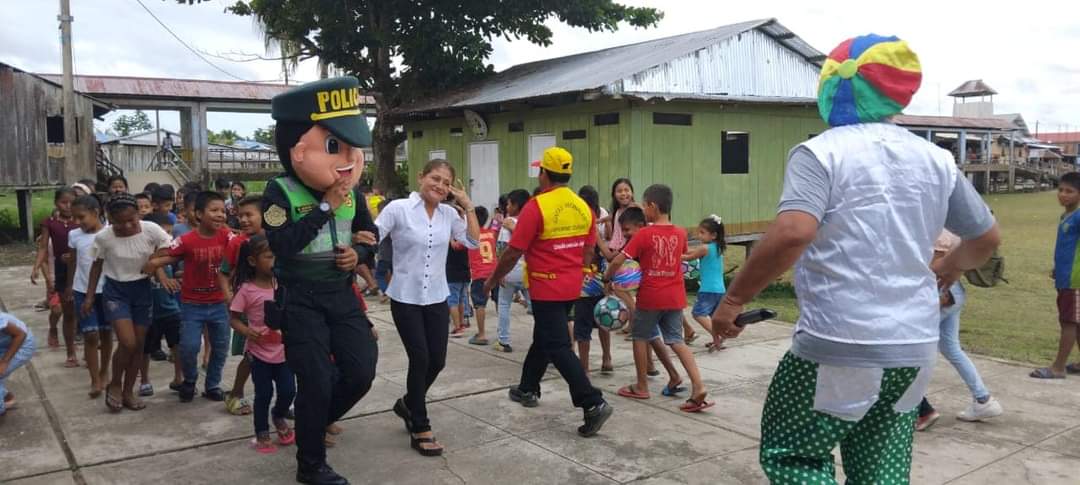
(384, 142)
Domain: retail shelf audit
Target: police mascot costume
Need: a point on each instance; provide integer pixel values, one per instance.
(312, 215)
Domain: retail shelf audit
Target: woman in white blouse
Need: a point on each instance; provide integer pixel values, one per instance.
(421, 228)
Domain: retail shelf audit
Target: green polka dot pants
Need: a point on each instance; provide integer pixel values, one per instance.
(797, 441)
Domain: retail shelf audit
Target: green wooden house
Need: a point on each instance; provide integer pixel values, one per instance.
(712, 114)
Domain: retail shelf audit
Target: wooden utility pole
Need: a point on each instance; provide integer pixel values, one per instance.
(71, 151)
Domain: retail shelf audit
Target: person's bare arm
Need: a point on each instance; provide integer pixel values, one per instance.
(42, 255)
(969, 255)
(696, 252)
(91, 287)
(18, 336)
(72, 268)
(509, 258)
(778, 250)
(157, 262)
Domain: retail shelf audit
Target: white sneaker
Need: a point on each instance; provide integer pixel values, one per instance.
(978, 412)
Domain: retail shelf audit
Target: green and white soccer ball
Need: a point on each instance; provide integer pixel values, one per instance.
(611, 313)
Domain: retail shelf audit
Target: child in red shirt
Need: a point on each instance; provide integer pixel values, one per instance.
(658, 248)
(202, 296)
(481, 265)
(249, 217)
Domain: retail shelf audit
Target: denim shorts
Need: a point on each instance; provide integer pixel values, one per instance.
(128, 300)
(668, 322)
(584, 318)
(706, 304)
(95, 321)
(479, 298)
(458, 294)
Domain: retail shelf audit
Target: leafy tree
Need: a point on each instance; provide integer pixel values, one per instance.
(125, 125)
(264, 135)
(223, 137)
(438, 45)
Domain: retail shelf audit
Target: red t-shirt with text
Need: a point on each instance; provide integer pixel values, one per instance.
(482, 260)
(554, 265)
(232, 251)
(659, 250)
(202, 257)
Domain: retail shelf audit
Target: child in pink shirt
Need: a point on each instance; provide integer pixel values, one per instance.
(253, 284)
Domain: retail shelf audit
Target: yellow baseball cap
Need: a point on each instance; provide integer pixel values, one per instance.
(556, 160)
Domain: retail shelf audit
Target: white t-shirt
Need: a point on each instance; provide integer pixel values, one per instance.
(125, 256)
(83, 245)
(601, 227)
(516, 275)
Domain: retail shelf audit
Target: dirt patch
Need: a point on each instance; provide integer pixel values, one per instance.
(17, 254)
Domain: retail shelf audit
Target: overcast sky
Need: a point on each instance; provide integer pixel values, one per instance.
(1019, 50)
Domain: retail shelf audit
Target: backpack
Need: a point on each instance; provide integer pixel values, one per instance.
(989, 274)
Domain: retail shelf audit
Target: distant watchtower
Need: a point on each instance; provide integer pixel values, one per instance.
(965, 104)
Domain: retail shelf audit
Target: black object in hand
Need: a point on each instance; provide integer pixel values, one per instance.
(754, 316)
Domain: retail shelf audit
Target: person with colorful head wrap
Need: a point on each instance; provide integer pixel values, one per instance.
(861, 207)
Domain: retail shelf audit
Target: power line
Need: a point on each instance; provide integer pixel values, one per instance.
(185, 44)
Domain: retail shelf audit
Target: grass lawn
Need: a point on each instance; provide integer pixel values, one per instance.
(42, 205)
(1016, 321)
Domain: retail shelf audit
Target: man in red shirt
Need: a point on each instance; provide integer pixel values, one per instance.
(202, 298)
(661, 297)
(481, 265)
(556, 233)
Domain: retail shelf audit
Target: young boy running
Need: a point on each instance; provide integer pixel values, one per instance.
(202, 298)
(1065, 279)
(662, 297)
(481, 265)
(249, 215)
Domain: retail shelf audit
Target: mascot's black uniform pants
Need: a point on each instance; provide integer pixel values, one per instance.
(330, 348)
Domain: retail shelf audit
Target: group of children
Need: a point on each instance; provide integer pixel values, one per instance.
(118, 259)
(643, 233)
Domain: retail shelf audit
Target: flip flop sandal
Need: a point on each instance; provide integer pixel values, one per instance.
(112, 402)
(673, 391)
(630, 392)
(691, 338)
(286, 436)
(478, 341)
(236, 406)
(136, 405)
(71, 362)
(652, 373)
(265, 448)
(416, 441)
(695, 406)
(1045, 373)
(1072, 369)
(607, 369)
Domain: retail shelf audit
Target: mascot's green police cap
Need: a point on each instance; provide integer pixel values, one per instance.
(331, 103)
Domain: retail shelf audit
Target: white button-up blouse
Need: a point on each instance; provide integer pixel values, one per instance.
(420, 245)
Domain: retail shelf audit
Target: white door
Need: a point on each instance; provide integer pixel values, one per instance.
(484, 173)
(537, 145)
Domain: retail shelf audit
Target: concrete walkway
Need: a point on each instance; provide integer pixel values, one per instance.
(58, 435)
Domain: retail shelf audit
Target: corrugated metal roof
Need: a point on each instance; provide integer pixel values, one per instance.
(793, 100)
(100, 107)
(163, 88)
(603, 68)
(975, 87)
(919, 121)
(1064, 137)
